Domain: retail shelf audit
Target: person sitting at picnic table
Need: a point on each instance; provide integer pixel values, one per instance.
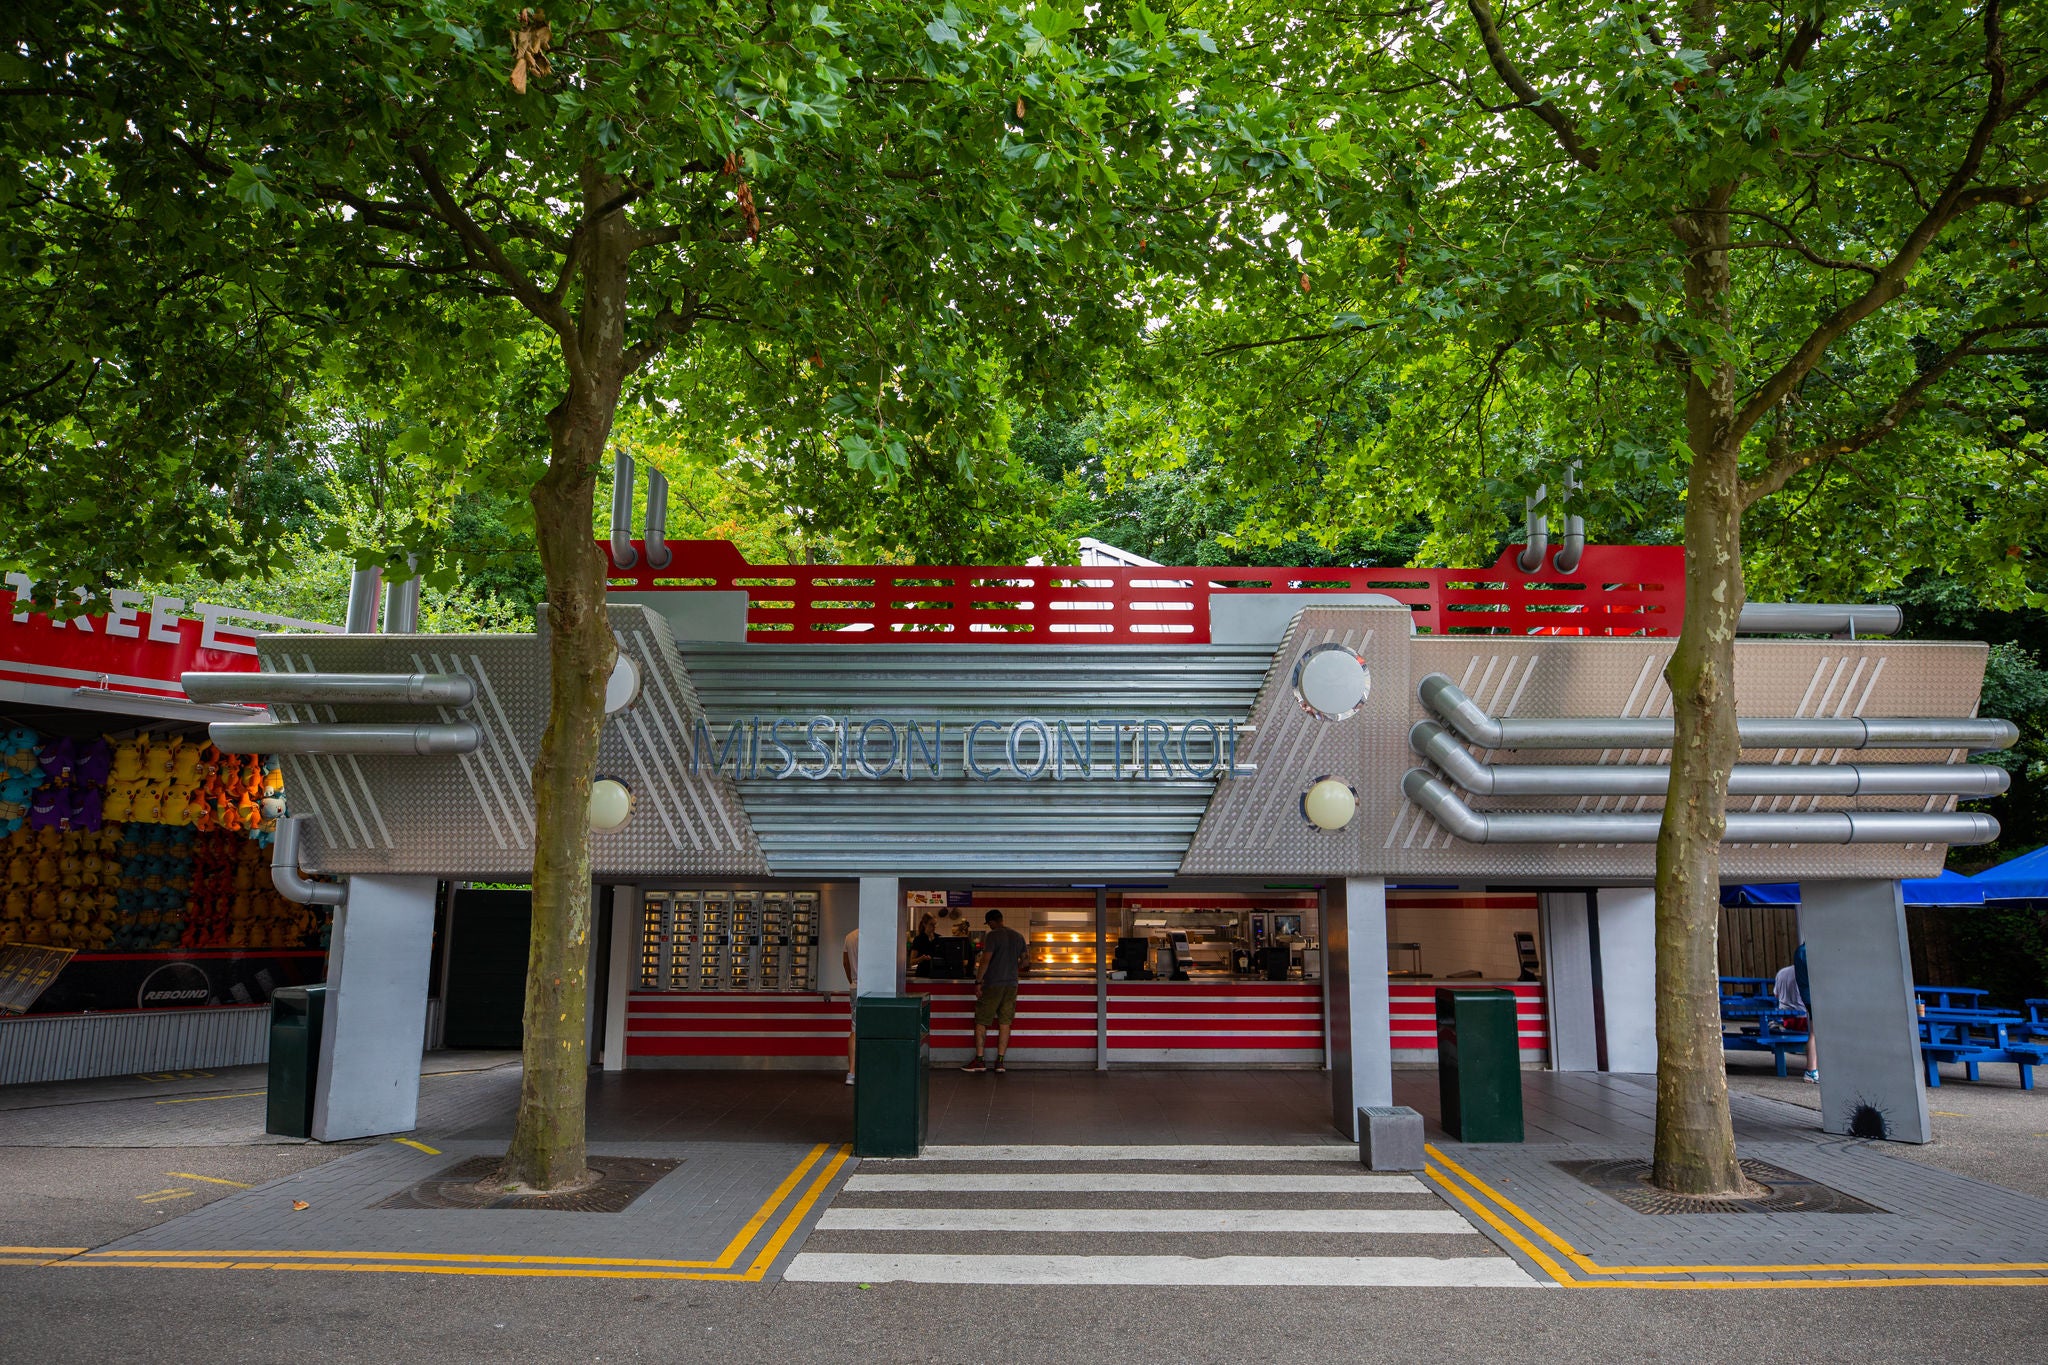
(1786, 988)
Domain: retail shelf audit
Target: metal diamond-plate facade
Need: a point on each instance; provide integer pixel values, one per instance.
(1255, 824)
(957, 826)
(472, 814)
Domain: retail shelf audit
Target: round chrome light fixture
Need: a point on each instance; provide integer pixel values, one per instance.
(1331, 681)
(1329, 803)
(622, 688)
(611, 805)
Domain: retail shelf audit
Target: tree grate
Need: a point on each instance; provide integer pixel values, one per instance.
(620, 1180)
(1628, 1180)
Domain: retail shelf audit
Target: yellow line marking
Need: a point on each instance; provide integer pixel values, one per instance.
(202, 1099)
(417, 1146)
(164, 1196)
(1592, 1267)
(538, 1267)
(43, 1251)
(1945, 1114)
(209, 1179)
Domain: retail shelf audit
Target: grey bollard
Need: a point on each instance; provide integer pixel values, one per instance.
(1390, 1139)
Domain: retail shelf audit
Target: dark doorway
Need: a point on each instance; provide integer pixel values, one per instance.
(485, 1002)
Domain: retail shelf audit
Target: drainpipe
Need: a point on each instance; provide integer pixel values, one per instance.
(291, 883)
(263, 737)
(1574, 548)
(262, 689)
(1854, 620)
(656, 539)
(402, 602)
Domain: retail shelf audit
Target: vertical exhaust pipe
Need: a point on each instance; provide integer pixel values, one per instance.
(364, 587)
(623, 553)
(1538, 534)
(656, 537)
(402, 602)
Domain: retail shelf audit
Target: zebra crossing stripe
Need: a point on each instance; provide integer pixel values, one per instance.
(1432, 1221)
(1404, 1271)
(1128, 1182)
(1320, 1151)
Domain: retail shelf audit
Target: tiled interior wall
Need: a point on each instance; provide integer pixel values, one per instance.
(1460, 939)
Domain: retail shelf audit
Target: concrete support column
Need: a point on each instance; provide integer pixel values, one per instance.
(623, 971)
(1626, 929)
(884, 964)
(376, 1007)
(1865, 1019)
(1568, 981)
(1361, 1023)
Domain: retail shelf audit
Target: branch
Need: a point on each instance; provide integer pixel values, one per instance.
(668, 324)
(545, 307)
(1782, 465)
(1560, 122)
(1955, 199)
(1237, 346)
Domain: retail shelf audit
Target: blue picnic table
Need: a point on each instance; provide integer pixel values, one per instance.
(1955, 1026)
(1753, 1021)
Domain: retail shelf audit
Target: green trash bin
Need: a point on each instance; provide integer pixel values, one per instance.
(296, 1014)
(1479, 1064)
(892, 1090)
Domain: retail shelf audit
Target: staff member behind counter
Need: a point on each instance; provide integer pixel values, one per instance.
(924, 945)
(935, 954)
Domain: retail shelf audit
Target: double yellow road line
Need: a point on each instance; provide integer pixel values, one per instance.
(819, 1168)
(1565, 1264)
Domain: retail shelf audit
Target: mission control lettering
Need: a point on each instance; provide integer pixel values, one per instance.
(769, 748)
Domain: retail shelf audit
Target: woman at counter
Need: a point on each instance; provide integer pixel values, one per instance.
(924, 944)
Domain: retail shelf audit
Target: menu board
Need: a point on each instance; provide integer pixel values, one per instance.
(26, 971)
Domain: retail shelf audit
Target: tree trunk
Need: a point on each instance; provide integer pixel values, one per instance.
(548, 1139)
(1694, 1151)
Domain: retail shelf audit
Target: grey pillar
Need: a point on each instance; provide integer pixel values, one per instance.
(377, 960)
(1361, 1024)
(884, 963)
(627, 914)
(1628, 976)
(1568, 981)
(1865, 1020)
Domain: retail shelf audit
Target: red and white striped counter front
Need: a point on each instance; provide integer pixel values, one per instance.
(1413, 1004)
(762, 1029)
(1243, 1023)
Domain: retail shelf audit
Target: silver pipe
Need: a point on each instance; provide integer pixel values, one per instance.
(364, 586)
(623, 553)
(291, 883)
(405, 689)
(1444, 699)
(258, 737)
(1819, 618)
(1442, 748)
(402, 602)
(1537, 528)
(1574, 548)
(1613, 827)
(656, 538)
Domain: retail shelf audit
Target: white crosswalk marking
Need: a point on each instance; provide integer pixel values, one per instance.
(1276, 1216)
(1427, 1271)
(1320, 1151)
(1148, 1220)
(1107, 1182)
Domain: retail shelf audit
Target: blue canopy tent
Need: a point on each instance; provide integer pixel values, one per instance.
(1950, 888)
(2023, 878)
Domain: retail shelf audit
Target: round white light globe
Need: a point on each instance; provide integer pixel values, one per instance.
(611, 805)
(622, 688)
(1331, 681)
(1329, 804)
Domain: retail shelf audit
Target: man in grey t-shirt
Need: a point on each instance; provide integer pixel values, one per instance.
(995, 988)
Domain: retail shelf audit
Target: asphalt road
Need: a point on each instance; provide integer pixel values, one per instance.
(153, 1315)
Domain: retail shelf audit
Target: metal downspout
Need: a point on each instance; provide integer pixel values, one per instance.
(623, 553)
(291, 883)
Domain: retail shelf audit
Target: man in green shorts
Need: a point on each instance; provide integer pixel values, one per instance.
(995, 988)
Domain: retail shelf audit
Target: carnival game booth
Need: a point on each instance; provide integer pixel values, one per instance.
(139, 930)
(1249, 816)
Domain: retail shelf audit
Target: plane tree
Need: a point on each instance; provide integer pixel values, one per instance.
(894, 221)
